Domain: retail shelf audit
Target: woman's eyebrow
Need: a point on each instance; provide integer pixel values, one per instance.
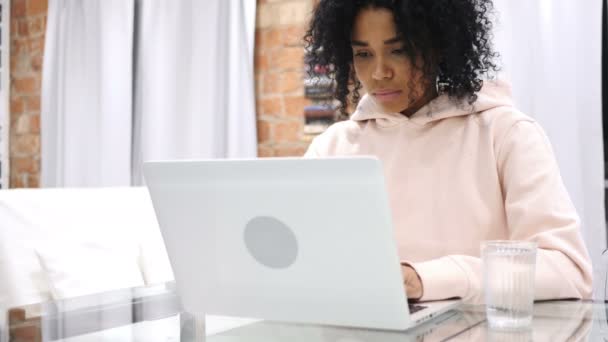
(393, 40)
(388, 41)
(358, 43)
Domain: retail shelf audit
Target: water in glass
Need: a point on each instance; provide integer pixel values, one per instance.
(508, 271)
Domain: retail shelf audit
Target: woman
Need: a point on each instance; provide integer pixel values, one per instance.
(462, 165)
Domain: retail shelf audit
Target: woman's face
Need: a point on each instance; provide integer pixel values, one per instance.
(381, 64)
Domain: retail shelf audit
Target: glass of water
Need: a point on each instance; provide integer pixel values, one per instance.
(508, 282)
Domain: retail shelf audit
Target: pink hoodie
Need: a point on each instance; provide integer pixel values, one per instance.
(458, 175)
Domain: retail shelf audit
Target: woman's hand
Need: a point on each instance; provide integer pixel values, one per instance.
(413, 284)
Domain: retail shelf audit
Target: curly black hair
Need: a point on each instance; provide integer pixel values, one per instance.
(451, 39)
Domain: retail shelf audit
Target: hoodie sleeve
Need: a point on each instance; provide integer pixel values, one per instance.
(538, 208)
(311, 152)
(321, 144)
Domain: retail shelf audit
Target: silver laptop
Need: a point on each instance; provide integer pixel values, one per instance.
(284, 239)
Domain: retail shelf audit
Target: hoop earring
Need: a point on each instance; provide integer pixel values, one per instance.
(441, 86)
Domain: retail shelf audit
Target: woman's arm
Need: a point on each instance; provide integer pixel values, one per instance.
(538, 208)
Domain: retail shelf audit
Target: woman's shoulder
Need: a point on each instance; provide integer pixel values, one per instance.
(336, 137)
(500, 120)
(510, 128)
(502, 116)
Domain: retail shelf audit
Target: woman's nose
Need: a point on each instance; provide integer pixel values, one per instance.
(382, 71)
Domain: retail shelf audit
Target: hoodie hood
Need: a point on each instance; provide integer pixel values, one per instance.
(493, 94)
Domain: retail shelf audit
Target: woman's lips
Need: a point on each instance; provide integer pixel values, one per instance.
(387, 95)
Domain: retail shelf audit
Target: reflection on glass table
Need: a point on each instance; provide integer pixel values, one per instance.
(154, 314)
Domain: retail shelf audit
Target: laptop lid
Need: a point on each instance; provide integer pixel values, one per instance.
(288, 239)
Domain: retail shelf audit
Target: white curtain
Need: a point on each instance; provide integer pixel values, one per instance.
(86, 93)
(131, 80)
(551, 53)
(194, 81)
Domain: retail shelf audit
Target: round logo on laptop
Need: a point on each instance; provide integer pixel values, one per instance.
(271, 242)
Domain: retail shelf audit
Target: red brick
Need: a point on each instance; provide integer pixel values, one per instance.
(25, 165)
(266, 15)
(36, 62)
(18, 181)
(33, 180)
(271, 38)
(294, 106)
(19, 48)
(23, 28)
(259, 85)
(291, 81)
(23, 124)
(16, 316)
(264, 129)
(17, 105)
(22, 66)
(271, 83)
(287, 131)
(289, 151)
(26, 85)
(36, 26)
(25, 145)
(13, 62)
(32, 103)
(35, 124)
(35, 7)
(293, 35)
(13, 27)
(258, 37)
(36, 44)
(13, 119)
(270, 106)
(18, 8)
(261, 63)
(288, 58)
(265, 152)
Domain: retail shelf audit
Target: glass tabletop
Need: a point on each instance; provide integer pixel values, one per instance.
(154, 313)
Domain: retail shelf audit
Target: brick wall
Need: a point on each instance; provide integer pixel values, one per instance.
(28, 24)
(279, 75)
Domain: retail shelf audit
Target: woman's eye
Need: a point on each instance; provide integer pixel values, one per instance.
(399, 51)
(362, 54)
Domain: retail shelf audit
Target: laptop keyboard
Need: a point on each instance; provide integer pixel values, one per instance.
(415, 308)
